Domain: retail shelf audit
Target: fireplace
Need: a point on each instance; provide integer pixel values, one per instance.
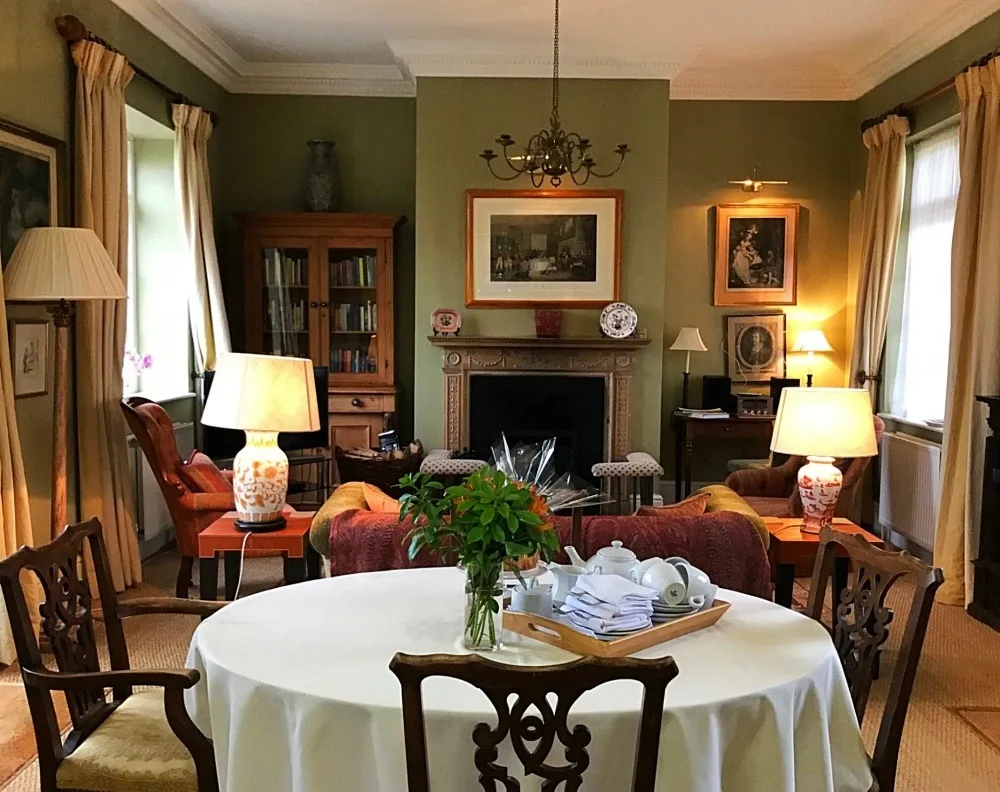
(530, 408)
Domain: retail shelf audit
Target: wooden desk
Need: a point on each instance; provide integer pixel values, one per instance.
(301, 561)
(687, 429)
(790, 548)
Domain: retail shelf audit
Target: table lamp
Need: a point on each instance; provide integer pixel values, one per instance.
(688, 340)
(262, 395)
(811, 341)
(60, 266)
(823, 424)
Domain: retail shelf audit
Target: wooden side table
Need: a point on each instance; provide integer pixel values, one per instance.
(301, 561)
(790, 547)
(687, 429)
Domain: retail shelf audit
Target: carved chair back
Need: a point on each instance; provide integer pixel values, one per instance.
(860, 630)
(67, 621)
(520, 696)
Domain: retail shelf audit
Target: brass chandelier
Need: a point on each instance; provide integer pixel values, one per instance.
(552, 153)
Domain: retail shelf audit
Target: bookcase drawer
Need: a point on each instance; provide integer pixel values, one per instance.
(361, 403)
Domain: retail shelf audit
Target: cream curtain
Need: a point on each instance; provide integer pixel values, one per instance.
(880, 216)
(974, 355)
(194, 194)
(15, 512)
(101, 204)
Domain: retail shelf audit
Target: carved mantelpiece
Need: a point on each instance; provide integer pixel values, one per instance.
(611, 360)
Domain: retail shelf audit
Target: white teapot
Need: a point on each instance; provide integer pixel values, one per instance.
(614, 560)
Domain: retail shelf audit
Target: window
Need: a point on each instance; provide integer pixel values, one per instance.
(922, 368)
(158, 335)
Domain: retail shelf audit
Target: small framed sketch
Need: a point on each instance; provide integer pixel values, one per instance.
(755, 347)
(755, 246)
(29, 343)
(30, 168)
(531, 249)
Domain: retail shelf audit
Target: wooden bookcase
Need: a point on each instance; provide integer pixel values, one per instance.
(320, 286)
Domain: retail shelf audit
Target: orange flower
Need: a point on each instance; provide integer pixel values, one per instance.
(541, 508)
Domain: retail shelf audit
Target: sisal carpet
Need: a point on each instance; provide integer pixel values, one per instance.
(951, 740)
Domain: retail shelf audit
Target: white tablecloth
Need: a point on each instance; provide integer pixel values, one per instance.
(297, 694)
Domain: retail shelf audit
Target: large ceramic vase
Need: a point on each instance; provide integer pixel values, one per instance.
(323, 186)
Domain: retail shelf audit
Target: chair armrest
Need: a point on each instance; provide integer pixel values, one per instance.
(175, 679)
(142, 606)
(208, 501)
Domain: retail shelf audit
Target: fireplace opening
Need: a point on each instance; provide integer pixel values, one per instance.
(532, 408)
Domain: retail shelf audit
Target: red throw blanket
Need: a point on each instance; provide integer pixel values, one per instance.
(724, 544)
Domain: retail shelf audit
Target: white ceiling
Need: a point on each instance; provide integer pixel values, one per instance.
(711, 49)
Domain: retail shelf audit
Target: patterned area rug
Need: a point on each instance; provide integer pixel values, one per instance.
(17, 738)
(951, 740)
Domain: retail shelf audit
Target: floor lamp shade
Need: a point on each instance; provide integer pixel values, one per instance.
(60, 266)
(262, 395)
(823, 424)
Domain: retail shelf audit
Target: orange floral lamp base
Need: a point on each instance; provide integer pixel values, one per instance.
(260, 483)
(820, 483)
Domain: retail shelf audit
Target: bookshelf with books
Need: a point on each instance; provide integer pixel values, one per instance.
(320, 286)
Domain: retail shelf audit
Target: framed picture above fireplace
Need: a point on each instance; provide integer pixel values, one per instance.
(531, 249)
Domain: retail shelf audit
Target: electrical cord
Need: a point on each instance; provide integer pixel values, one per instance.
(239, 578)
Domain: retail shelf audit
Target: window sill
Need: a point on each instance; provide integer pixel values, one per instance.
(898, 419)
(161, 398)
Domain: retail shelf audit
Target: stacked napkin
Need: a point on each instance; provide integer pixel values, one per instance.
(609, 605)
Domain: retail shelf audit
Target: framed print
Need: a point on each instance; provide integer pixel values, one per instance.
(29, 353)
(755, 347)
(533, 249)
(755, 246)
(30, 169)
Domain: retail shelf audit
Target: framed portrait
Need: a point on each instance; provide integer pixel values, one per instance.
(30, 169)
(755, 246)
(29, 342)
(755, 347)
(531, 249)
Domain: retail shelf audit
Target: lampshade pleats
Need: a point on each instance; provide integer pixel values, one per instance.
(689, 340)
(834, 422)
(52, 264)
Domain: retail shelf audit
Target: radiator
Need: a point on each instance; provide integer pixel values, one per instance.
(910, 491)
(151, 515)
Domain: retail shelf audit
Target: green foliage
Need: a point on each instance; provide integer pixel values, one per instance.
(482, 522)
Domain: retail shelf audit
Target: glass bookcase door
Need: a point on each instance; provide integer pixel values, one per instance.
(285, 301)
(354, 312)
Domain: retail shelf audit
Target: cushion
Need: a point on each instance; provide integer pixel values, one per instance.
(200, 474)
(348, 496)
(377, 500)
(134, 750)
(689, 507)
(723, 499)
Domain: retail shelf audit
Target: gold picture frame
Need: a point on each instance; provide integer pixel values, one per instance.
(756, 254)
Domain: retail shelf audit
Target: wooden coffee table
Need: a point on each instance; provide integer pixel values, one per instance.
(791, 548)
(301, 561)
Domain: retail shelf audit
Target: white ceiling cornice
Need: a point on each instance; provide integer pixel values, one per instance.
(208, 52)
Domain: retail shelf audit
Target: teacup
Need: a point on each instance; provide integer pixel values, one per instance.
(696, 581)
(666, 579)
(537, 600)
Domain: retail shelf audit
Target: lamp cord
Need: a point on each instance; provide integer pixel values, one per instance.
(239, 578)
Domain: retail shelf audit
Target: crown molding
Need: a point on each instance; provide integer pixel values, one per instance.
(721, 85)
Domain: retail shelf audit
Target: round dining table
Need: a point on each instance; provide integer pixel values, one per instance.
(297, 695)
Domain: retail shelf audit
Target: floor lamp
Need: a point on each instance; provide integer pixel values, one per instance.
(811, 341)
(61, 266)
(688, 340)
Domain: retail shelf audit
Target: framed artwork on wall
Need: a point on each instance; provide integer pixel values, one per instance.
(755, 347)
(533, 249)
(30, 172)
(755, 247)
(29, 348)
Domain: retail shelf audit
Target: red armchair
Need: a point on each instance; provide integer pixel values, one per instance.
(774, 492)
(192, 511)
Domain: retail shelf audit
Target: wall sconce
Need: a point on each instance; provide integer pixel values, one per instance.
(753, 184)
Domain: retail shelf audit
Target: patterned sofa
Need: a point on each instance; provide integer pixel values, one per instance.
(727, 545)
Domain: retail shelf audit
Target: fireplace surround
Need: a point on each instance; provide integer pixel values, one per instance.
(611, 361)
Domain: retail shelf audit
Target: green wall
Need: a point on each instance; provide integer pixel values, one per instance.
(264, 168)
(456, 119)
(35, 83)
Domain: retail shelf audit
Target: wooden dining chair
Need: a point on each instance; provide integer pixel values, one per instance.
(532, 733)
(861, 629)
(137, 739)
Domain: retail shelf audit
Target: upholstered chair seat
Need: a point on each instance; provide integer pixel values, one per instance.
(133, 750)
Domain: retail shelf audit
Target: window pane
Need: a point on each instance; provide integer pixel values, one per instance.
(922, 375)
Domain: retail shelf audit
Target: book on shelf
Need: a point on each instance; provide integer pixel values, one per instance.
(285, 317)
(352, 361)
(358, 271)
(355, 317)
(715, 412)
(282, 270)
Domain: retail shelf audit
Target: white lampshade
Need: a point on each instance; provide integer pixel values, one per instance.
(263, 393)
(689, 340)
(829, 422)
(53, 264)
(812, 341)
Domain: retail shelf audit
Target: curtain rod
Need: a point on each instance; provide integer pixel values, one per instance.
(73, 30)
(933, 93)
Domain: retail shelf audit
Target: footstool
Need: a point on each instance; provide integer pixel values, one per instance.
(439, 464)
(639, 470)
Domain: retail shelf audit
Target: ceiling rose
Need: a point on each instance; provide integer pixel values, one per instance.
(553, 152)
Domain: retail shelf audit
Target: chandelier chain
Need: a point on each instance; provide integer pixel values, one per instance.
(555, 68)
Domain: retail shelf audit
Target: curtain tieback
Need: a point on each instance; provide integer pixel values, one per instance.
(862, 378)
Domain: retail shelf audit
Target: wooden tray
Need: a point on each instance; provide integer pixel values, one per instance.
(557, 634)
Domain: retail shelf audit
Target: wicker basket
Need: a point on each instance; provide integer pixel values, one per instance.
(383, 473)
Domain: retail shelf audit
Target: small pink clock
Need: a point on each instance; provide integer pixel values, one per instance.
(446, 321)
